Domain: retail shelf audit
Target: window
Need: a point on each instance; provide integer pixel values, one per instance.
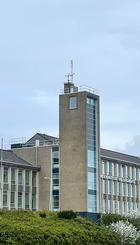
(113, 169)
(136, 190)
(135, 173)
(119, 188)
(5, 175)
(33, 201)
(4, 198)
(123, 207)
(19, 176)
(104, 167)
(132, 190)
(109, 206)
(132, 206)
(123, 189)
(114, 188)
(127, 172)
(34, 179)
(91, 181)
(12, 176)
(128, 190)
(12, 200)
(92, 203)
(55, 202)
(109, 187)
(123, 171)
(128, 207)
(27, 172)
(104, 186)
(114, 206)
(72, 102)
(19, 199)
(26, 200)
(109, 168)
(119, 207)
(90, 158)
(118, 170)
(104, 205)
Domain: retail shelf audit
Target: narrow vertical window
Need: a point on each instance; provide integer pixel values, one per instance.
(114, 188)
(4, 198)
(72, 102)
(34, 179)
(113, 169)
(104, 186)
(104, 167)
(5, 175)
(19, 199)
(12, 200)
(26, 200)
(19, 176)
(33, 201)
(27, 172)
(12, 176)
(109, 187)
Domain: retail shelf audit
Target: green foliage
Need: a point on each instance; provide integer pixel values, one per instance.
(42, 214)
(20, 227)
(67, 214)
(107, 219)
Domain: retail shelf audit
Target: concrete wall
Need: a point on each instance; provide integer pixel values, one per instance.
(73, 153)
(42, 157)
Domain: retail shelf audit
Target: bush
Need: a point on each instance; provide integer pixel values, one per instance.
(127, 232)
(107, 219)
(42, 214)
(67, 214)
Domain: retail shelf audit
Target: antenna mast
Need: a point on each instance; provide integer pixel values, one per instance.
(71, 74)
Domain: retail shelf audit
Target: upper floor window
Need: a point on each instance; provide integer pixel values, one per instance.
(72, 102)
(5, 175)
(27, 174)
(12, 175)
(20, 176)
(34, 179)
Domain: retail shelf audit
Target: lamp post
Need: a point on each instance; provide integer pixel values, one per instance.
(50, 203)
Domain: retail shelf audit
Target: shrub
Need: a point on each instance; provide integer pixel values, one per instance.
(126, 230)
(67, 214)
(107, 219)
(42, 214)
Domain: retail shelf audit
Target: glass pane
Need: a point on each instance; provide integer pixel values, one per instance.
(72, 102)
(12, 199)
(34, 179)
(19, 199)
(26, 200)
(19, 176)
(13, 176)
(33, 201)
(27, 172)
(5, 175)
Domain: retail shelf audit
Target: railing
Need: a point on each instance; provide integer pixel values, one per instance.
(74, 89)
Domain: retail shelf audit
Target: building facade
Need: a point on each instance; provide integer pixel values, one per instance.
(72, 172)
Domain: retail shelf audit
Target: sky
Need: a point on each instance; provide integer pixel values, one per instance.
(39, 38)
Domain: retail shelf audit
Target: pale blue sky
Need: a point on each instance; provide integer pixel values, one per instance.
(38, 38)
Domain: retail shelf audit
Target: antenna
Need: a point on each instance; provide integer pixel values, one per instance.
(71, 74)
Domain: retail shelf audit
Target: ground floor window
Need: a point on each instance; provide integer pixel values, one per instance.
(4, 198)
(12, 203)
(26, 200)
(19, 199)
(92, 203)
(33, 201)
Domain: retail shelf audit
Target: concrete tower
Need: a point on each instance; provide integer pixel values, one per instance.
(79, 137)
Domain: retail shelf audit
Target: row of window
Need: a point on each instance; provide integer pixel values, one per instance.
(92, 153)
(118, 170)
(20, 176)
(118, 206)
(118, 188)
(55, 177)
(20, 195)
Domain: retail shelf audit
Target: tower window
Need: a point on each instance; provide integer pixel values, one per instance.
(72, 102)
